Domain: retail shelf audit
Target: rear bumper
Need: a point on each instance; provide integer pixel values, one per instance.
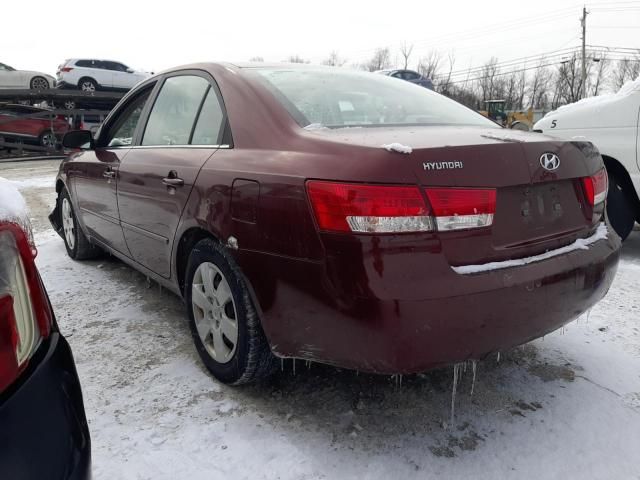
(65, 85)
(43, 429)
(407, 311)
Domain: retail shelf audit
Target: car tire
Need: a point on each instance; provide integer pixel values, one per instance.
(69, 105)
(39, 83)
(224, 322)
(87, 84)
(77, 245)
(620, 209)
(47, 139)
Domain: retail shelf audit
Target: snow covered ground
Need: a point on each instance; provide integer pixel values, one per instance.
(564, 407)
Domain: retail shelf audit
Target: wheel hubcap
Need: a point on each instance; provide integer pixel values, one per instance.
(48, 140)
(40, 84)
(67, 224)
(88, 87)
(214, 311)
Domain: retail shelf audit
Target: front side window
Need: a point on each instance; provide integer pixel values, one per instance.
(208, 126)
(122, 131)
(174, 112)
(337, 98)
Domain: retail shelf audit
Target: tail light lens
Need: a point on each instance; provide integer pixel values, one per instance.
(462, 208)
(66, 69)
(344, 207)
(25, 317)
(340, 207)
(596, 187)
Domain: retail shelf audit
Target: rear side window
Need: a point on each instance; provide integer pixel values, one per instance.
(85, 63)
(208, 126)
(175, 110)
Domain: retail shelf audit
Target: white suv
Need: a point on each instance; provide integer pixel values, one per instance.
(610, 122)
(90, 75)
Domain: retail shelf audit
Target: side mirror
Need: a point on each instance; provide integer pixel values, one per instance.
(130, 70)
(78, 139)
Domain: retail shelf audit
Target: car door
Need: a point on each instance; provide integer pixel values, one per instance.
(121, 76)
(96, 173)
(103, 74)
(9, 77)
(183, 129)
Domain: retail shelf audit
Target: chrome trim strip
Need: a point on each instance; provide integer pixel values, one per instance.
(211, 147)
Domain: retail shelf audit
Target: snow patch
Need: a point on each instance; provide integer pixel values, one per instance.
(627, 89)
(13, 208)
(579, 244)
(316, 126)
(397, 147)
(35, 182)
(505, 137)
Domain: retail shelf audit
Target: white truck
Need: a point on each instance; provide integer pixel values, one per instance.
(610, 122)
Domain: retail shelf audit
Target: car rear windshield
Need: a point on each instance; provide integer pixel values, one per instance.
(335, 98)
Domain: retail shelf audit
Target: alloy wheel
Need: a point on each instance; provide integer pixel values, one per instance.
(39, 83)
(214, 312)
(67, 223)
(48, 140)
(87, 86)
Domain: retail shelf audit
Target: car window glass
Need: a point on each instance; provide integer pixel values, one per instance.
(397, 75)
(174, 111)
(408, 75)
(207, 129)
(343, 98)
(121, 132)
(83, 63)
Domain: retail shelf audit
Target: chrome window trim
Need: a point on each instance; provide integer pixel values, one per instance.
(137, 147)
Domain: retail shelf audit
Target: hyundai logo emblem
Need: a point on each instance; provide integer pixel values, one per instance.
(550, 161)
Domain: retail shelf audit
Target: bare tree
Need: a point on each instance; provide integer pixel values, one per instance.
(296, 59)
(445, 82)
(487, 79)
(334, 60)
(381, 59)
(570, 77)
(596, 81)
(538, 87)
(626, 69)
(405, 51)
(429, 65)
(256, 59)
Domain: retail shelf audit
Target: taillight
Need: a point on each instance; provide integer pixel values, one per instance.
(66, 69)
(345, 207)
(341, 207)
(596, 187)
(462, 208)
(25, 317)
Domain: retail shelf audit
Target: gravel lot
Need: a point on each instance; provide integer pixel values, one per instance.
(566, 406)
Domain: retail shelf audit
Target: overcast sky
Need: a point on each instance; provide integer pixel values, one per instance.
(39, 35)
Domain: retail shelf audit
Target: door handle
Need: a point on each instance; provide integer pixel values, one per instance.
(109, 173)
(172, 180)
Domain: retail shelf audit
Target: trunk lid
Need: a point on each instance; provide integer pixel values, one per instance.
(536, 209)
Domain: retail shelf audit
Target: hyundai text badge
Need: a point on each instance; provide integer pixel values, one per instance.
(550, 161)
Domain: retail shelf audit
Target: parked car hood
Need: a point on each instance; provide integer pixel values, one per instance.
(612, 110)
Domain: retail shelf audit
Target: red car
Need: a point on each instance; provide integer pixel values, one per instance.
(43, 428)
(31, 125)
(337, 216)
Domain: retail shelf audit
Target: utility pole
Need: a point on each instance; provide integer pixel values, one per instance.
(583, 22)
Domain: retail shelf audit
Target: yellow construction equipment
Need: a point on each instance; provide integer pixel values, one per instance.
(518, 120)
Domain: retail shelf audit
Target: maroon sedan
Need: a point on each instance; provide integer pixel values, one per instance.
(339, 217)
(31, 125)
